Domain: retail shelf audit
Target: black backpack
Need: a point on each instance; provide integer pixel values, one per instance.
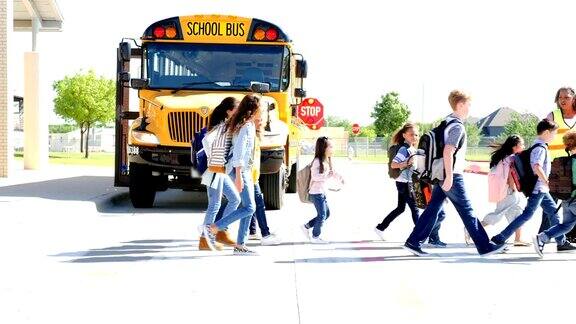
(431, 145)
(522, 172)
(392, 151)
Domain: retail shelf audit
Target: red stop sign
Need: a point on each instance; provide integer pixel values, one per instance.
(311, 113)
(355, 129)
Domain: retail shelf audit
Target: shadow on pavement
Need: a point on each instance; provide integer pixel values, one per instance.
(132, 252)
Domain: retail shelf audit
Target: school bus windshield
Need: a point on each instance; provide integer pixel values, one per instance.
(216, 66)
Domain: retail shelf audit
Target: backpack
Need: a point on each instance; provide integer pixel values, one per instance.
(217, 145)
(431, 145)
(560, 179)
(420, 191)
(303, 178)
(392, 151)
(522, 172)
(198, 155)
(498, 181)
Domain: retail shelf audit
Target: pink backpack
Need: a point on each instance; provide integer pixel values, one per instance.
(498, 181)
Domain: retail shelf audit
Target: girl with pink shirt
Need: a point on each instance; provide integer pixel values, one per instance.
(321, 172)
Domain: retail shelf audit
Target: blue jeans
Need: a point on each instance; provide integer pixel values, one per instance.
(434, 235)
(225, 186)
(568, 222)
(260, 213)
(323, 212)
(404, 198)
(428, 219)
(541, 199)
(243, 213)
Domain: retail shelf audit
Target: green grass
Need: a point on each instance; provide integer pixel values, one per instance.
(94, 159)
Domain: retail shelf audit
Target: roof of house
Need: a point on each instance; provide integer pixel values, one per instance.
(498, 118)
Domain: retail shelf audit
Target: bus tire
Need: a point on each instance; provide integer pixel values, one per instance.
(292, 179)
(141, 190)
(273, 187)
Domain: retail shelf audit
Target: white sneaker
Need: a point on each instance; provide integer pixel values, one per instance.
(306, 231)
(379, 233)
(271, 239)
(253, 237)
(317, 240)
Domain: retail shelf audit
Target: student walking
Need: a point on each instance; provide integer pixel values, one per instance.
(502, 189)
(540, 162)
(322, 170)
(568, 206)
(452, 187)
(218, 184)
(241, 125)
(404, 142)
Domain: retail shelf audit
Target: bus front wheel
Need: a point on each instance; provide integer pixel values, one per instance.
(273, 187)
(142, 190)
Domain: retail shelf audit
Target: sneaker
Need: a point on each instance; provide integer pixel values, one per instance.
(500, 248)
(271, 239)
(253, 237)
(379, 233)
(437, 243)
(210, 238)
(224, 238)
(317, 240)
(306, 231)
(415, 250)
(538, 245)
(243, 250)
(566, 247)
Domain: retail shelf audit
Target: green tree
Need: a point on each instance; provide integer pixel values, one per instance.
(389, 114)
(333, 121)
(472, 134)
(64, 128)
(85, 99)
(523, 125)
(367, 131)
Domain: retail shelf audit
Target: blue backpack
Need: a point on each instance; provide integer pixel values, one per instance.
(198, 155)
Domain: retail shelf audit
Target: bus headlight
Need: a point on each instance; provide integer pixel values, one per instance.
(145, 138)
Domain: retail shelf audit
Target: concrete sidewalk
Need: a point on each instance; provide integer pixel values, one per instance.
(92, 186)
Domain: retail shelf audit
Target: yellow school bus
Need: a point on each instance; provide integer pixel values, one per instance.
(187, 66)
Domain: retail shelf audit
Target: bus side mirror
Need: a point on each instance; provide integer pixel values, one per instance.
(125, 77)
(139, 83)
(301, 69)
(299, 93)
(125, 51)
(259, 87)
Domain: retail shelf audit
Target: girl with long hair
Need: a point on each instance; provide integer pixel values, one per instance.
(218, 184)
(509, 206)
(241, 125)
(407, 138)
(322, 170)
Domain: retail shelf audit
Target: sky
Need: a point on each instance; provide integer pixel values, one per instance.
(505, 53)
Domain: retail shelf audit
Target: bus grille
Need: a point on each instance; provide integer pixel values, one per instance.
(183, 124)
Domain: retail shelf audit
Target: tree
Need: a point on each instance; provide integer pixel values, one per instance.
(367, 131)
(389, 114)
(523, 125)
(333, 121)
(472, 134)
(64, 128)
(86, 100)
